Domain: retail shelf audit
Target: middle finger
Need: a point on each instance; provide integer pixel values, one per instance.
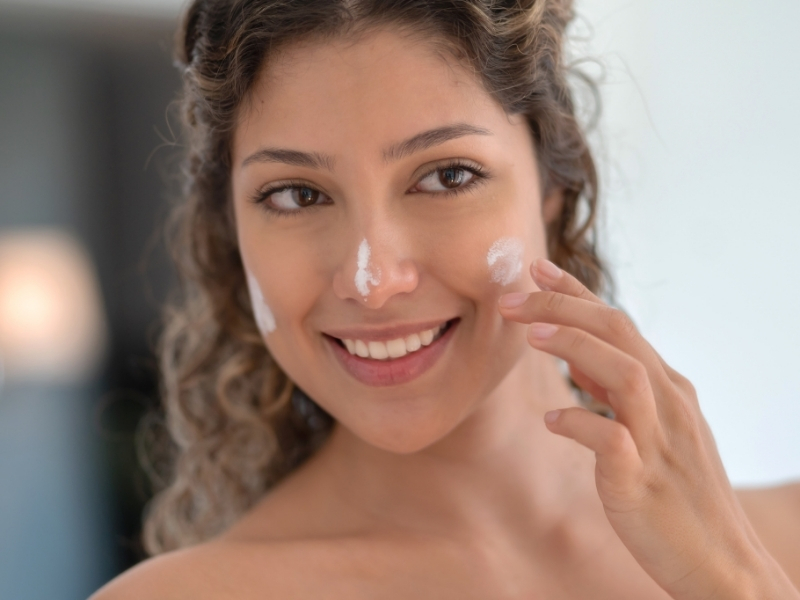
(625, 379)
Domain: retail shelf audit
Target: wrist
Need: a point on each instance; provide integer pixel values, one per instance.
(773, 582)
(747, 573)
(762, 578)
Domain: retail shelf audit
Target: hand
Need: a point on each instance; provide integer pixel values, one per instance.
(658, 472)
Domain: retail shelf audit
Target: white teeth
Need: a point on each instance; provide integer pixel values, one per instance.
(361, 349)
(396, 348)
(378, 350)
(426, 337)
(412, 343)
(393, 348)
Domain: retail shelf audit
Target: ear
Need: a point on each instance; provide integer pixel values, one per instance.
(552, 205)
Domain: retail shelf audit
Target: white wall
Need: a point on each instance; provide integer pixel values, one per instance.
(700, 153)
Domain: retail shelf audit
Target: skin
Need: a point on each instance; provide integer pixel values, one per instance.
(453, 485)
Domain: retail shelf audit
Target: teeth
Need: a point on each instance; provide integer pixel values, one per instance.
(378, 350)
(426, 337)
(396, 348)
(361, 349)
(393, 348)
(413, 343)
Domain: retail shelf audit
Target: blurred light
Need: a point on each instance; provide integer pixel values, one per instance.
(52, 327)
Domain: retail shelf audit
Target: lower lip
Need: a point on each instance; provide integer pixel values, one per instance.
(395, 371)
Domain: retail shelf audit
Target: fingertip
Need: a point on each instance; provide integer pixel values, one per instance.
(512, 300)
(552, 416)
(545, 273)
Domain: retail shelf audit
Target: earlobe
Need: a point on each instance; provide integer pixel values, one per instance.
(552, 205)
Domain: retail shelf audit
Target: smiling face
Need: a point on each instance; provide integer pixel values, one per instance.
(416, 204)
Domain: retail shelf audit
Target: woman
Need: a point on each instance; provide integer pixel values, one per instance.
(368, 183)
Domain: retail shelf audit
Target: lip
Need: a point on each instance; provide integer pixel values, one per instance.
(381, 373)
(383, 334)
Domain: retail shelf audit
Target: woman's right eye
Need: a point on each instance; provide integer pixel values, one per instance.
(292, 198)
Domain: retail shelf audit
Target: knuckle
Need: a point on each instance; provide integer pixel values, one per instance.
(577, 340)
(688, 416)
(618, 440)
(553, 302)
(686, 386)
(620, 324)
(634, 377)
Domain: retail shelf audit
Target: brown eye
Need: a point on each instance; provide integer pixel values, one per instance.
(293, 198)
(306, 197)
(446, 178)
(451, 177)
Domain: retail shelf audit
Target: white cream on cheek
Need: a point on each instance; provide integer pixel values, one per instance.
(364, 275)
(505, 260)
(265, 320)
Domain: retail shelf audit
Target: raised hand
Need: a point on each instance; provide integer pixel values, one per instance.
(658, 472)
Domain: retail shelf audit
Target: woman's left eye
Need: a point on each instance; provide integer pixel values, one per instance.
(445, 179)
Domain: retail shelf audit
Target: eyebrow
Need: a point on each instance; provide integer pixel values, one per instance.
(417, 143)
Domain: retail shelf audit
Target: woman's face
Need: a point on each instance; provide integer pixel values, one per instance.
(416, 204)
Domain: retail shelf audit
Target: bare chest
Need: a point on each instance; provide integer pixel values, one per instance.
(355, 570)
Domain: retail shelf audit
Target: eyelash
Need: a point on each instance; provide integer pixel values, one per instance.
(480, 176)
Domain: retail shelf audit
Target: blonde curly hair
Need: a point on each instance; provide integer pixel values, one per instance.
(236, 421)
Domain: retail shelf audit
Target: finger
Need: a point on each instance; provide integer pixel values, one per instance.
(587, 384)
(549, 277)
(617, 456)
(569, 302)
(624, 378)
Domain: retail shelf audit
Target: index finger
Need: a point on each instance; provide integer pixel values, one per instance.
(550, 278)
(619, 330)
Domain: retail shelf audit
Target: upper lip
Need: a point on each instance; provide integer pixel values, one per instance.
(383, 334)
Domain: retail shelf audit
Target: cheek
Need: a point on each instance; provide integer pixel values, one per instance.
(482, 264)
(265, 320)
(505, 260)
(486, 251)
(282, 281)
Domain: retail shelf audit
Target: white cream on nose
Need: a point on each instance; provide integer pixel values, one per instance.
(505, 260)
(364, 274)
(265, 320)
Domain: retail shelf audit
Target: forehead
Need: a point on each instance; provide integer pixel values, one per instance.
(378, 88)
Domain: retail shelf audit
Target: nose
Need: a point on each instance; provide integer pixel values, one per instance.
(375, 270)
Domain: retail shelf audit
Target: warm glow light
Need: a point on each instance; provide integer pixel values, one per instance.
(51, 320)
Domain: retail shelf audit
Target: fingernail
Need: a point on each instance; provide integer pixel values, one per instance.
(548, 269)
(551, 416)
(513, 300)
(543, 331)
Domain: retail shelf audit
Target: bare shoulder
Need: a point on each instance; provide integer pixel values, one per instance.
(174, 575)
(216, 569)
(775, 515)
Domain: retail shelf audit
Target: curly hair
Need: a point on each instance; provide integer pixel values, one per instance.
(237, 422)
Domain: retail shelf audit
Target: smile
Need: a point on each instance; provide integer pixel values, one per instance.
(393, 361)
(396, 348)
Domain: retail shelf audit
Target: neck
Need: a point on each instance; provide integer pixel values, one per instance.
(499, 468)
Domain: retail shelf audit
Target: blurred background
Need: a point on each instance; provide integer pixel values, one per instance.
(698, 145)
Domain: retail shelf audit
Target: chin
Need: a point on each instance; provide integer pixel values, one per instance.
(405, 425)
